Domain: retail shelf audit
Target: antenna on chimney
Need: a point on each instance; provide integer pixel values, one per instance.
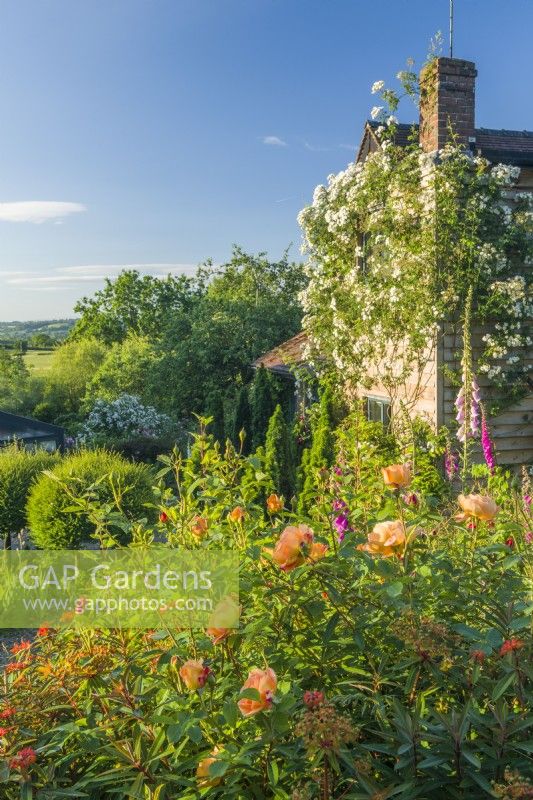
(451, 28)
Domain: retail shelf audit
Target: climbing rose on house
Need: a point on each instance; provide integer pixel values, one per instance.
(265, 682)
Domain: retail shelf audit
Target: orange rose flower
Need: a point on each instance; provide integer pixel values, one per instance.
(288, 552)
(199, 526)
(223, 620)
(385, 537)
(274, 504)
(194, 674)
(202, 771)
(266, 683)
(397, 476)
(477, 505)
(317, 551)
(237, 515)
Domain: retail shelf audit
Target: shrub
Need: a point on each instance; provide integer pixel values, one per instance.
(321, 452)
(263, 405)
(97, 476)
(278, 455)
(18, 470)
(242, 421)
(125, 418)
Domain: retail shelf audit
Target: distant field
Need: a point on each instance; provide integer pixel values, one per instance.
(38, 360)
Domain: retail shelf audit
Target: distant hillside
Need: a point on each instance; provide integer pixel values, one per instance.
(56, 328)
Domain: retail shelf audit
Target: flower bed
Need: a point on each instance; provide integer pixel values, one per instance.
(384, 654)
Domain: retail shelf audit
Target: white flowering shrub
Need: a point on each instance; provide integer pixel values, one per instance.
(124, 418)
(393, 246)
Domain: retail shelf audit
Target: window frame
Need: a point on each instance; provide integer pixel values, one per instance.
(384, 403)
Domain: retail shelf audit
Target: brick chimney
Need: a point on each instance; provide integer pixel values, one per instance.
(447, 100)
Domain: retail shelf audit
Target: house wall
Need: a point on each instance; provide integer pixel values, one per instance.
(512, 430)
(418, 393)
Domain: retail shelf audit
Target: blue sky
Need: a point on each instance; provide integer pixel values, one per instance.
(148, 120)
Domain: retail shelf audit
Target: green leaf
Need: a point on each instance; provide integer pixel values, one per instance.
(273, 772)
(230, 711)
(218, 768)
(502, 685)
(394, 589)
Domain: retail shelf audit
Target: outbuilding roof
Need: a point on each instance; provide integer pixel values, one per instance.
(14, 427)
(280, 358)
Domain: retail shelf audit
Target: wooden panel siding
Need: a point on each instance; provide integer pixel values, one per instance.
(512, 430)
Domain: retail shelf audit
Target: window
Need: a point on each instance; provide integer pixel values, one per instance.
(378, 410)
(363, 244)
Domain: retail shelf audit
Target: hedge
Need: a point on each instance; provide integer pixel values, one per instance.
(18, 471)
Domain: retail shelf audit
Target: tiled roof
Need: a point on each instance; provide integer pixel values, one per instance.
(509, 147)
(404, 131)
(281, 357)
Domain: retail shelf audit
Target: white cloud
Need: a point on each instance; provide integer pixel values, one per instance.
(315, 148)
(38, 211)
(274, 140)
(70, 277)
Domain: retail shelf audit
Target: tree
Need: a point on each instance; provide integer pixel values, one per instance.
(242, 421)
(321, 453)
(215, 410)
(126, 369)
(42, 341)
(205, 330)
(73, 366)
(278, 455)
(14, 381)
(262, 407)
(132, 303)
(242, 309)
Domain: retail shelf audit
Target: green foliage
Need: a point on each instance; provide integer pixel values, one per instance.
(72, 368)
(132, 304)
(18, 470)
(58, 504)
(185, 338)
(405, 674)
(124, 370)
(321, 452)
(263, 405)
(278, 456)
(242, 421)
(215, 410)
(14, 381)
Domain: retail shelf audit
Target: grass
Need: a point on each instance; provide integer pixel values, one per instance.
(38, 360)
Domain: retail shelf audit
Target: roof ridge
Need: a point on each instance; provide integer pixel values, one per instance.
(505, 132)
